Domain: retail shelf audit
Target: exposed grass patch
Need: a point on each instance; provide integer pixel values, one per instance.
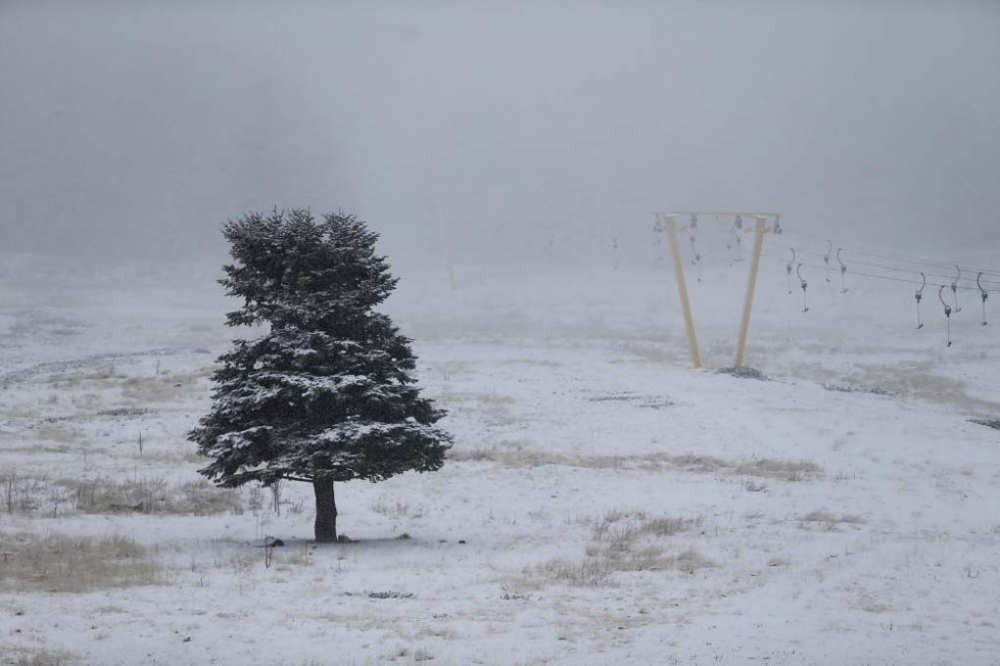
(744, 372)
(51, 432)
(644, 401)
(788, 470)
(485, 398)
(822, 516)
(989, 423)
(24, 494)
(390, 594)
(56, 563)
(159, 388)
(20, 656)
(124, 412)
(155, 496)
(872, 389)
(524, 456)
(284, 559)
(478, 454)
(623, 542)
(669, 526)
(29, 494)
(390, 509)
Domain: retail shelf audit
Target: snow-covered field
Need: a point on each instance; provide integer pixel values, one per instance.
(603, 503)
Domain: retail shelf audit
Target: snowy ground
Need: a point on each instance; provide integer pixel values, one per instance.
(604, 502)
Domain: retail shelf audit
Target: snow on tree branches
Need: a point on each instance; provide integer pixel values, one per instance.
(326, 395)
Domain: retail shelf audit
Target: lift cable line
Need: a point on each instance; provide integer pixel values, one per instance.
(895, 256)
(916, 281)
(896, 269)
(948, 310)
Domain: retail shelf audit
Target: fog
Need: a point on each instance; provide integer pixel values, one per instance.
(485, 129)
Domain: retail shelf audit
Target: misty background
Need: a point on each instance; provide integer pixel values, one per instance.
(495, 131)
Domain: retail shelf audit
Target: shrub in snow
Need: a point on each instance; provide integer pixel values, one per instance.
(326, 395)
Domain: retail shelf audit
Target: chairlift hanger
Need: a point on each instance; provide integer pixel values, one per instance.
(954, 288)
(985, 294)
(826, 258)
(919, 295)
(788, 270)
(910, 271)
(843, 271)
(900, 257)
(696, 256)
(805, 285)
(947, 311)
(874, 276)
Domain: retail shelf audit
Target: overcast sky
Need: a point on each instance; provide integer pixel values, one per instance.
(138, 128)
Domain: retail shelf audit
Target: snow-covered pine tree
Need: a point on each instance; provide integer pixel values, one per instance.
(326, 395)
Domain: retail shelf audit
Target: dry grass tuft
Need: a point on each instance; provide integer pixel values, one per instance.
(822, 516)
(691, 561)
(395, 509)
(56, 563)
(478, 454)
(20, 656)
(524, 456)
(623, 542)
(780, 469)
(669, 526)
(154, 496)
(29, 494)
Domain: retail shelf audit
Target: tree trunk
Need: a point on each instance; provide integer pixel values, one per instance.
(326, 511)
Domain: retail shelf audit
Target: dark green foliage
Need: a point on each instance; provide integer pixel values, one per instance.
(327, 392)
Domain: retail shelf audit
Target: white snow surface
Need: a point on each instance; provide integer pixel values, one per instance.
(813, 526)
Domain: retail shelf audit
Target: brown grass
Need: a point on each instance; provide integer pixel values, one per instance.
(525, 456)
(19, 656)
(57, 563)
(27, 494)
(788, 470)
(822, 516)
(623, 542)
(155, 496)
